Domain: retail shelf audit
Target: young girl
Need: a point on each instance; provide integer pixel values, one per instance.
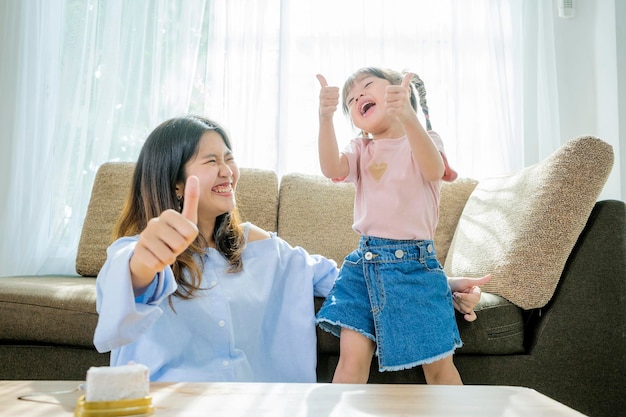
(391, 297)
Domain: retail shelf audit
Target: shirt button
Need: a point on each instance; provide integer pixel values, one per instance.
(399, 253)
(369, 256)
(213, 283)
(225, 363)
(221, 323)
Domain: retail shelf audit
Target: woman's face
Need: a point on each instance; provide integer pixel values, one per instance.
(215, 167)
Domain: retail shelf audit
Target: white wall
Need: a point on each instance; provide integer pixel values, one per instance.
(589, 69)
(620, 19)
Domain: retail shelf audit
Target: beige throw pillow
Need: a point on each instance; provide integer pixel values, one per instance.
(522, 227)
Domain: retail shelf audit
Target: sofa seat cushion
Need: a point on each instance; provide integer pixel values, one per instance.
(499, 329)
(48, 310)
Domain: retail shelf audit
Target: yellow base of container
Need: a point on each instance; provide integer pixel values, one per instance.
(132, 407)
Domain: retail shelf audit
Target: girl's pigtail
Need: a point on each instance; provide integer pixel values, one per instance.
(421, 93)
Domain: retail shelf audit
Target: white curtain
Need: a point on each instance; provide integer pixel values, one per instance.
(462, 50)
(31, 213)
(539, 80)
(89, 80)
(84, 82)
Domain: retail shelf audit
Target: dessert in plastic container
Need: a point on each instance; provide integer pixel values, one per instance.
(116, 391)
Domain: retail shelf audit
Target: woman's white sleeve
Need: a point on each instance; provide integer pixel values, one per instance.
(122, 316)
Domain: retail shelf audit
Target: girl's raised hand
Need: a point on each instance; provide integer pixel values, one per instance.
(165, 237)
(397, 99)
(329, 98)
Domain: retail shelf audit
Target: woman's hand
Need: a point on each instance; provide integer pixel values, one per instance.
(164, 238)
(466, 294)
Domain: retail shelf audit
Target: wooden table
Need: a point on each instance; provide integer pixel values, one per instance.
(299, 400)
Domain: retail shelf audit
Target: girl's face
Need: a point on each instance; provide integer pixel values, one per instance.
(215, 167)
(366, 104)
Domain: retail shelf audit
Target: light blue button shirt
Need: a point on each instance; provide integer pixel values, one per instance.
(254, 325)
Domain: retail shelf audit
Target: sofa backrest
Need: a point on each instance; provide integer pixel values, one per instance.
(317, 214)
(257, 201)
(306, 210)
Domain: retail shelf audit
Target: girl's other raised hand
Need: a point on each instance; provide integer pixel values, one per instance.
(397, 99)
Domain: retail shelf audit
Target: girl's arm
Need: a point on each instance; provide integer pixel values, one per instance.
(424, 150)
(332, 164)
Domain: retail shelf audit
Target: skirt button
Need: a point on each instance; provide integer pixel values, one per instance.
(369, 256)
(399, 253)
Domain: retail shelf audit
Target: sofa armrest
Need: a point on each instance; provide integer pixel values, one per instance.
(577, 340)
(588, 304)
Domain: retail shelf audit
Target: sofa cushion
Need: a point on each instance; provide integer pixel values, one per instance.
(257, 201)
(108, 194)
(522, 227)
(48, 310)
(498, 330)
(454, 196)
(316, 214)
(257, 197)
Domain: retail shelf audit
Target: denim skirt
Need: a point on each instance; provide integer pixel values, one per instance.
(395, 293)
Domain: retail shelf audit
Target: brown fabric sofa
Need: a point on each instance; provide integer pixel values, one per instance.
(571, 349)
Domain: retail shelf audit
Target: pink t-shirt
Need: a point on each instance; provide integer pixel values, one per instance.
(392, 198)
